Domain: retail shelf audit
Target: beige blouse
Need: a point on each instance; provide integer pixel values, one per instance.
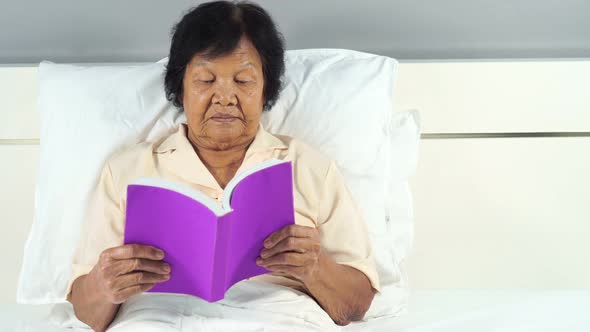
(321, 198)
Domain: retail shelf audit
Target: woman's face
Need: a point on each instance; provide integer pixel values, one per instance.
(223, 98)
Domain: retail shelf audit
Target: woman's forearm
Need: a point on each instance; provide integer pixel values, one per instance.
(89, 308)
(343, 292)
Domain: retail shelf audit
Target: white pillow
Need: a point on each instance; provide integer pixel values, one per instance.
(341, 103)
(338, 101)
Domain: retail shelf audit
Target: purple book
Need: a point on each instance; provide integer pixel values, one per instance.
(211, 246)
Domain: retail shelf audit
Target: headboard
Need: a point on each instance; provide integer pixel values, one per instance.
(502, 189)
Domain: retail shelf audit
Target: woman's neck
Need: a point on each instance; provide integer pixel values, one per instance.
(220, 156)
(221, 160)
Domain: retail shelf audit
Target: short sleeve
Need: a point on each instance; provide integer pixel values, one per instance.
(102, 228)
(343, 231)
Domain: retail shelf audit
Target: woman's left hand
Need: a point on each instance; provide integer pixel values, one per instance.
(294, 250)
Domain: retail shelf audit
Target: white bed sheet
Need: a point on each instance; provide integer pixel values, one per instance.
(429, 310)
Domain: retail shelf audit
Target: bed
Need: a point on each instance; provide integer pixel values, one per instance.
(434, 310)
(500, 197)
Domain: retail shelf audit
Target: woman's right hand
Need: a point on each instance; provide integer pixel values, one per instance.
(126, 270)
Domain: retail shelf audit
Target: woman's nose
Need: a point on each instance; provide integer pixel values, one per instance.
(225, 95)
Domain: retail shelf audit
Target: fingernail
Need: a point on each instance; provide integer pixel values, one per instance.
(267, 244)
(167, 268)
(167, 276)
(258, 261)
(160, 254)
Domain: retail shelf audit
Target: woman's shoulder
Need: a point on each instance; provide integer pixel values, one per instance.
(131, 162)
(141, 153)
(306, 158)
(132, 154)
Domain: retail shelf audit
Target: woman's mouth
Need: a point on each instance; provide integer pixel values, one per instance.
(224, 119)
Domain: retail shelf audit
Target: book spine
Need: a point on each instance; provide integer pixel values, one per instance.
(219, 280)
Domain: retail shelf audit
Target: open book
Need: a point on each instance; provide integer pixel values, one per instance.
(211, 246)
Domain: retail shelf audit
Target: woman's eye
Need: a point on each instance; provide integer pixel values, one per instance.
(207, 81)
(242, 82)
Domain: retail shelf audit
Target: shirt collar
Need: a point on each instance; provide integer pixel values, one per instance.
(178, 140)
(178, 155)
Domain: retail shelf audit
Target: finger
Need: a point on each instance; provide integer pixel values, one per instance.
(128, 251)
(290, 244)
(125, 293)
(138, 278)
(120, 267)
(286, 258)
(287, 231)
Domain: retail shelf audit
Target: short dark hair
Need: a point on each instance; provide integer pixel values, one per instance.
(214, 29)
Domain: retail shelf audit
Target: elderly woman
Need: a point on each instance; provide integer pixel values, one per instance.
(225, 68)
